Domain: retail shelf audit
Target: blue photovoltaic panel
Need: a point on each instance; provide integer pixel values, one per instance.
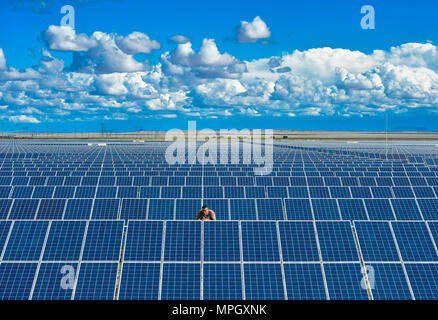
(429, 208)
(414, 241)
(319, 192)
(65, 241)
(103, 241)
(183, 241)
(298, 209)
(22, 192)
(376, 241)
(352, 209)
(134, 209)
(344, 281)
(433, 226)
(255, 192)
(379, 209)
(243, 209)
(325, 209)
(340, 192)
(298, 192)
(4, 231)
(42, 192)
(5, 205)
(270, 209)
(85, 192)
(263, 282)
(213, 192)
(424, 280)
(381, 192)
(181, 281)
(51, 209)
(139, 281)
(260, 242)
(26, 241)
(24, 209)
(360, 192)
(105, 209)
(336, 241)
(162, 209)
(298, 241)
(54, 283)
(191, 192)
(78, 209)
(389, 282)
(96, 281)
(106, 192)
(219, 206)
(406, 209)
(16, 280)
(149, 192)
(222, 281)
(144, 241)
(5, 191)
(304, 281)
(403, 192)
(64, 192)
(127, 192)
(221, 241)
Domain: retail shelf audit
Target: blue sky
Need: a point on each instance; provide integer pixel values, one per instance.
(289, 65)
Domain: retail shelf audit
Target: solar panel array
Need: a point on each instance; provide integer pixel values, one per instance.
(330, 222)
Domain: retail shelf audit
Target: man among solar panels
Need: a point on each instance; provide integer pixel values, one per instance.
(206, 214)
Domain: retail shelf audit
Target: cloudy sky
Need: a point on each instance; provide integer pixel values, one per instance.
(274, 64)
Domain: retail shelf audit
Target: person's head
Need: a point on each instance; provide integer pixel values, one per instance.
(204, 209)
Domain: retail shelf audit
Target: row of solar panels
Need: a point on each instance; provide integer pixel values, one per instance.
(39, 192)
(226, 209)
(251, 260)
(215, 181)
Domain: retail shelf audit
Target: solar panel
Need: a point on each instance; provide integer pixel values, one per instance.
(181, 281)
(325, 209)
(161, 209)
(263, 281)
(26, 241)
(42, 192)
(336, 241)
(51, 209)
(298, 192)
(259, 241)
(376, 241)
(360, 192)
(352, 209)
(5, 205)
(304, 281)
(219, 206)
(429, 208)
(78, 209)
(344, 281)
(105, 209)
(381, 192)
(213, 192)
(255, 192)
(192, 192)
(270, 209)
(379, 209)
(221, 241)
(4, 231)
(388, 282)
(85, 192)
(183, 241)
(22, 192)
(134, 209)
(298, 241)
(149, 192)
(144, 241)
(406, 209)
(52, 283)
(103, 241)
(222, 281)
(243, 209)
(423, 280)
(64, 242)
(64, 192)
(414, 241)
(96, 281)
(340, 192)
(16, 280)
(139, 281)
(319, 192)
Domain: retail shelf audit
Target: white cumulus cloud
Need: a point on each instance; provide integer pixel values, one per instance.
(253, 31)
